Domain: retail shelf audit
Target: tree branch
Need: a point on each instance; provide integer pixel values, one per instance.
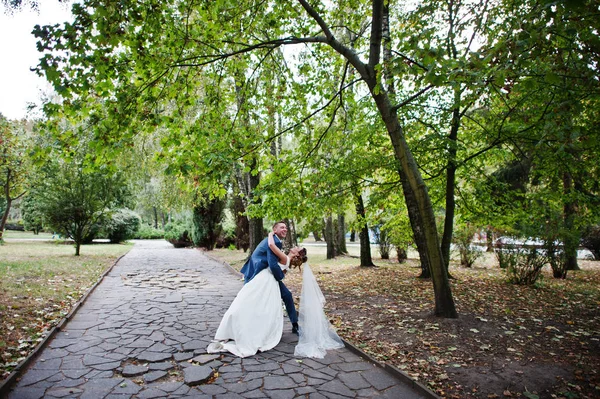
(347, 52)
(411, 98)
(376, 33)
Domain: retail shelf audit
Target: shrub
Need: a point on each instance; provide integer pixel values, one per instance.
(523, 264)
(207, 223)
(463, 236)
(149, 233)
(383, 239)
(33, 218)
(591, 240)
(122, 225)
(178, 234)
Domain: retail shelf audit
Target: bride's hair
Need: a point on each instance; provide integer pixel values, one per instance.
(297, 257)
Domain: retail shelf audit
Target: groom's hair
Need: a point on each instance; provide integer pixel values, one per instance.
(276, 223)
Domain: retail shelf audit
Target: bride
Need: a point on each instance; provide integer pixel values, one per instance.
(254, 320)
(317, 336)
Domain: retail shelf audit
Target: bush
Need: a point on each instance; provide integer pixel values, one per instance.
(463, 236)
(122, 225)
(523, 264)
(178, 234)
(146, 232)
(383, 239)
(591, 240)
(206, 221)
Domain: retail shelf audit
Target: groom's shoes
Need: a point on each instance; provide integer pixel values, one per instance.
(295, 328)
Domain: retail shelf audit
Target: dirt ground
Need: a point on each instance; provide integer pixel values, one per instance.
(508, 341)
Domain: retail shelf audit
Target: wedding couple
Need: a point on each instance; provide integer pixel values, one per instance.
(254, 320)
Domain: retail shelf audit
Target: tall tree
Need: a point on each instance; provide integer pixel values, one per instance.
(193, 36)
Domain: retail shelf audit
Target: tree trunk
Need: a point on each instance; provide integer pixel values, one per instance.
(352, 235)
(571, 237)
(450, 186)
(155, 217)
(444, 303)
(256, 232)
(5, 216)
(363, 235)
(329, 237)
(291, 240)
(317, 236)
(341, 235)
(409, 197)
(489, 238)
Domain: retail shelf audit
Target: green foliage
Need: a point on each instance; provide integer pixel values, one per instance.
(31, 212)
(75, 200)
(206, 221)
(179, 234)
(146, 232)
(463, 237)
(121, 225)
(523, 264)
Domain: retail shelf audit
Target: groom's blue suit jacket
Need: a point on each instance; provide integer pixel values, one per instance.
(261, 258)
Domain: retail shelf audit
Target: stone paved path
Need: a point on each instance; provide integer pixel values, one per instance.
(143, 332)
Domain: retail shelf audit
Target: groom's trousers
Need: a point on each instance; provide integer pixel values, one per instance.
(288, 300)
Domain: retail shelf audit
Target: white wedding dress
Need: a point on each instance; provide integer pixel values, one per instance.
(317, 336)
(254, 320)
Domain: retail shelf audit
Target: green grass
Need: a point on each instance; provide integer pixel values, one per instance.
(40, 281)
(14, 234)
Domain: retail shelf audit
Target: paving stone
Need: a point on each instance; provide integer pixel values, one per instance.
(167, 386)
(153, 357)
(151, 393)
(132, 370)
(69, 383)
(52, 364)
(203, 359)
(107, 366)
(75, 373)
(196, 375)
(141, 343)
(158, 347)
(127, 387)
(262, 367)
(257, 393)
(100, 387)
(367, 393)
(194, 345)
(26, 393)
(63, 392)
(154, 375)
(278, 382)
(161, 366)
(281, 394)
(182, 356)
(92, 360)
(336, 387)
(354, 366)
(33, 376)
(378, 379)
(354, 380)
(212, 389)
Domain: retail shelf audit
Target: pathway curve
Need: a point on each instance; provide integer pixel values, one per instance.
(143, 331)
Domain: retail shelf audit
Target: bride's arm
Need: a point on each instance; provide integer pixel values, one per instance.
(278, 252)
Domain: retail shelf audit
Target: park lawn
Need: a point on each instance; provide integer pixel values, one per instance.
(40, 281)
(509, 341)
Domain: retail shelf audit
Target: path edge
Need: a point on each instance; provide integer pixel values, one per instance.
(396, 372)
(222, 262)
(6, 385)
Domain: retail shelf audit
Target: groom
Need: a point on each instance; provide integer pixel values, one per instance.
(263, 257)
